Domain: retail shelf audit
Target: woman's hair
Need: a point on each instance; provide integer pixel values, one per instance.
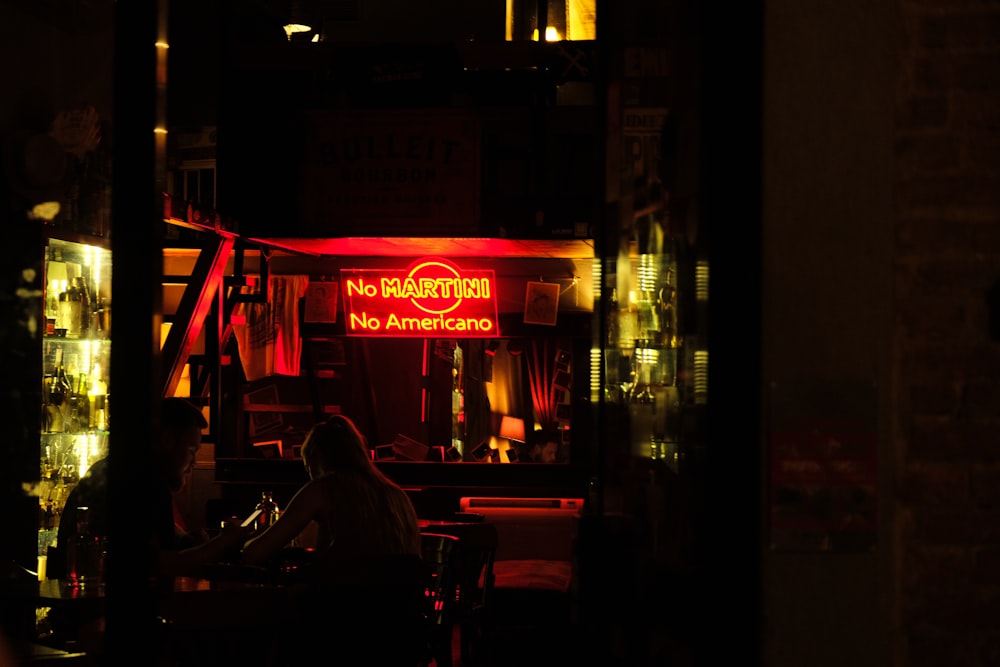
(336, 444)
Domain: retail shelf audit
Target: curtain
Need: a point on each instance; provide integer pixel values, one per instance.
(478, 425)
(506, 391)
(269, 342)
(545, 396)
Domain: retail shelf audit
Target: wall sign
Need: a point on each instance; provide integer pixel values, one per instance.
(431, 298)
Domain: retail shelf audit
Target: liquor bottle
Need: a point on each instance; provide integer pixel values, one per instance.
(62, 311)
(97, 398)
(80, 404)
(55, 274)
(58, 391)
(97, 327)
(85, 305)
(49, 409)
(269, 510)
(84, 553)
(52, 304)
(71, 373)
(69, 310)
(48, 516)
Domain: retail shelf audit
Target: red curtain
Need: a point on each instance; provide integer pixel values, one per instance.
(545, 396)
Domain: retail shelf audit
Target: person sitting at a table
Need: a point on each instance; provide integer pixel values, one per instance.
(360, 514)
(542, 447)
(368, 551)
(171, 459)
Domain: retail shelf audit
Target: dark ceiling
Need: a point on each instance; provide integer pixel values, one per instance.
(72, 16)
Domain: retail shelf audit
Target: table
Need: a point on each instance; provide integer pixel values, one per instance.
(62, 593)
(202, 620)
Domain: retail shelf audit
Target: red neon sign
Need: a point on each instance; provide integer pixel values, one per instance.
(431, 298)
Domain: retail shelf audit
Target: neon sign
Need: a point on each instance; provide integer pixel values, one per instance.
(433, 297)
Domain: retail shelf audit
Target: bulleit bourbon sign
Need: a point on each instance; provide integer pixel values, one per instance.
(383, 172)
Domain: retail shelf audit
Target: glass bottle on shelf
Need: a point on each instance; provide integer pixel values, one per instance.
(84, 553)
(70, 305)
(85, 305)
(76, 355)
(59, 392)
(98, 328)
(49, 516)
(55, 276)
(79, 409)
(96, 400)
(269, 510)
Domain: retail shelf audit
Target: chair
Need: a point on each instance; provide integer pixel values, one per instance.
(471, 604)
(438, 554)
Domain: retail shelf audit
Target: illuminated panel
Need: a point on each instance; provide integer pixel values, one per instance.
(431, 298)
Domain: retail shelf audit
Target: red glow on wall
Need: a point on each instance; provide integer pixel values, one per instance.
(431, 298)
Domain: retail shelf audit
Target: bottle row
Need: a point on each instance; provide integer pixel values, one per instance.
(65, 458)
(76, 366)
(75, 401)
(74, 313)
(77, 301)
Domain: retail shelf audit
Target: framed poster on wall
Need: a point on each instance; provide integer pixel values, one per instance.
(541, 303)
(321, 302)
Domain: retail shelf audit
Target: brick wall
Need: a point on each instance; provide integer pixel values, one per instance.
(946, 447)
